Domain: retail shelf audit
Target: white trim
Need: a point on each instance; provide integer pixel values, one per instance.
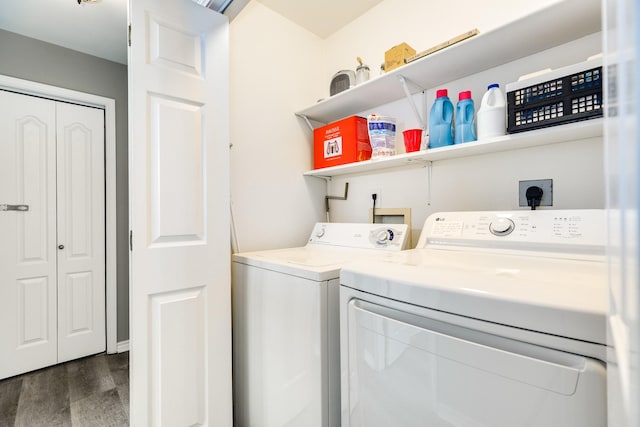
(109, 105)
(123, 346)
(111, 226)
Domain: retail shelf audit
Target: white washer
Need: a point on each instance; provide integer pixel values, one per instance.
(286, 324)
(497, 320)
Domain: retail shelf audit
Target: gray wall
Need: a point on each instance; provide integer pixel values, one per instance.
(37, 61)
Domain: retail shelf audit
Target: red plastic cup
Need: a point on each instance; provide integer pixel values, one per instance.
(412, 139)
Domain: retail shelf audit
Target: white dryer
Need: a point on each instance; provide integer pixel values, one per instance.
(496, 320)
(286, 324)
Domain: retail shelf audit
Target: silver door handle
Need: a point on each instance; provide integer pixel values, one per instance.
(21, 208)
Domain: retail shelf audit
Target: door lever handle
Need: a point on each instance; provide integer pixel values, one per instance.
(21, 208)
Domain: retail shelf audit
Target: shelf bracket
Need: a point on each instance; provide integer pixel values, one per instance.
(327, 198)
(429, 172)
(403, 80)
(306, 119)
(323, 177)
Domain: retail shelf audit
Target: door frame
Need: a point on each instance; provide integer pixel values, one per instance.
(67, 95)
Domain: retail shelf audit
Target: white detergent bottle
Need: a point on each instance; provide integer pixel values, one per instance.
(491, 117)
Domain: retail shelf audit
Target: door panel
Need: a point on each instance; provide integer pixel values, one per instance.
(33, 320)
(183, 402)
(81, 223)
(179, 209)
(27, 248)
(176, 151)
(33, 170)
(174, 48)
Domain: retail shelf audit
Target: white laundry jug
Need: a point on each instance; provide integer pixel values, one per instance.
(491, 117)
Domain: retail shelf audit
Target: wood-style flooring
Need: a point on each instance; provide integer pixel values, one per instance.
(88, 392)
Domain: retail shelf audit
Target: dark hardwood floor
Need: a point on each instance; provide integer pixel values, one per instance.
(88, 392)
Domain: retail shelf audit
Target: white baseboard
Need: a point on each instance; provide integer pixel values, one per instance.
(123, 346)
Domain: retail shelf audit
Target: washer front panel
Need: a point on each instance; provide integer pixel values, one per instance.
(558, 297)
(406, 369)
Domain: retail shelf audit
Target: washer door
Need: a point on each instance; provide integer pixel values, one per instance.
(407, 370)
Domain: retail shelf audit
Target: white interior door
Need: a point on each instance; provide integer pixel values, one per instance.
(622, 154)
(81, 231)
(179, 215)
(28, 310)
(52, 256)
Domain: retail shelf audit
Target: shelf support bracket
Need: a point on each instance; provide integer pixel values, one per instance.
(403, 81)
(429, 172)
(327, 198)
(306, 119)
(323, 177)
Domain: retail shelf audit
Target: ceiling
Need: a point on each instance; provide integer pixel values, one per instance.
(99, 28)
(322, 18)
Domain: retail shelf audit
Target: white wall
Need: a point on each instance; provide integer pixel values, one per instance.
(487, 182)
(274, 63)
(421, 24)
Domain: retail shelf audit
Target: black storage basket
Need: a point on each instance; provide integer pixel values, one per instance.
(566, 99)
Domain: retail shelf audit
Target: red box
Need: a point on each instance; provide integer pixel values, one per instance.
(341, 142)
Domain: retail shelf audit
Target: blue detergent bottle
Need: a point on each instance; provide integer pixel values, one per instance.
(441, 121)
(465, 121)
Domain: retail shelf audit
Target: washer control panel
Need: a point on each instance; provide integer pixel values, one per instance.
(357, 235)
(529, 229)
(382, 236)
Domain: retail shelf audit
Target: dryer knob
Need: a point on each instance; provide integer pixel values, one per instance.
(320, 233)
(501, 226)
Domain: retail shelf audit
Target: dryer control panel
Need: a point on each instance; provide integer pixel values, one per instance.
(544, 230)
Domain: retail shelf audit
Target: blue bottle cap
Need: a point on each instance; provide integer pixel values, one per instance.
(493, 85)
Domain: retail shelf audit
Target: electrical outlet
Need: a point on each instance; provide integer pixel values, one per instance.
(547, 191)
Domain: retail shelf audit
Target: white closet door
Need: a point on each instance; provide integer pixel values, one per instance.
(81, 235)
(52, 256)
(28, 337)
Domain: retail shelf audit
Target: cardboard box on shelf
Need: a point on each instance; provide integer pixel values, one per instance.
(341, 142)
(394, 57)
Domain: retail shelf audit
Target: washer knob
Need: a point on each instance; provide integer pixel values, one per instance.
(502, 226)
(384, 236)
(320, 232)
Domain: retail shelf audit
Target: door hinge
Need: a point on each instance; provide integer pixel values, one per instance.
(129, 37)
(131, 240)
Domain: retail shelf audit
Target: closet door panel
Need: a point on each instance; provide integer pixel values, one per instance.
(28, 311)
(81, 222)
